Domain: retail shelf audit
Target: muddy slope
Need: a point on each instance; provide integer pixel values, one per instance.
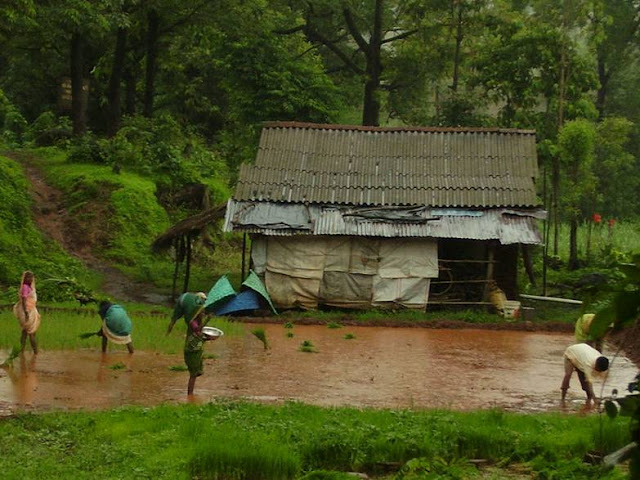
(52, 218)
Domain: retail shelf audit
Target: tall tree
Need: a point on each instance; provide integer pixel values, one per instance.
(615, 25)
(576, 142)
(360, 35)
(78, 21)
(565, 16)
(165, 18)
(618, 181)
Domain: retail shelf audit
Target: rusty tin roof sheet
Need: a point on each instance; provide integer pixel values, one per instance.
(439, 167)
(283, 219)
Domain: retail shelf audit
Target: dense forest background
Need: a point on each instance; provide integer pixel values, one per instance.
(176, 91)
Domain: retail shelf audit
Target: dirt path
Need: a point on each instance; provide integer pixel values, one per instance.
(54, 221)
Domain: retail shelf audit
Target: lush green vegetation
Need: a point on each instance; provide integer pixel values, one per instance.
(250, 441)
(178, 94)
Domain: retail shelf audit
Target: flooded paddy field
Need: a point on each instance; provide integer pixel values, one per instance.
(462, 369)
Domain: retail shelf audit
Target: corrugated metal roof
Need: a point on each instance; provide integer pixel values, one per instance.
(392, 166)
(506, 226)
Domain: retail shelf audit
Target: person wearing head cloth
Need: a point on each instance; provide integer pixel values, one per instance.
(26, 312)
(191, 307)
(116, 326)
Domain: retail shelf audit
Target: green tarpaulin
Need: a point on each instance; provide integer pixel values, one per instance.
(219, 293)
(254, 283)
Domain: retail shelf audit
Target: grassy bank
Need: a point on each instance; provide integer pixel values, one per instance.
(23, 246)
(247, 441)
(543, 313)
(117, 216)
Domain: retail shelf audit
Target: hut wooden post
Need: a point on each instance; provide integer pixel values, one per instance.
(177, 247)
(244, 248)
(491, 255)
(187, 270)
(528, 263)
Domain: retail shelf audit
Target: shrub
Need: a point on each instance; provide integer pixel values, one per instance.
(87, 149)
(49, 129)
(14, 127)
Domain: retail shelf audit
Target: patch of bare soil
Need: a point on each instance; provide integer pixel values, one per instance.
(79, 237)
(629, 341)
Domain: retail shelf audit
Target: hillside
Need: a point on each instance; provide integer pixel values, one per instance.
(83, 236)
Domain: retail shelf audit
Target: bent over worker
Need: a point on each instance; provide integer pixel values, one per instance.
(116, 326)
(588, 362)
(191, 307)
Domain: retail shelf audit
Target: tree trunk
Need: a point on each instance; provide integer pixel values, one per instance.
(113, 94)
(187, 270)
(178, 245)
(77, 86)
(573, 244)
(130, 92)
(555, 171)
(555, 194)
(456, 55)
(153, 22)
(371, 107)
(603, 78)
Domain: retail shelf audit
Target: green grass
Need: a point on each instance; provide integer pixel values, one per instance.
(251, 441)
(371, 317)
(60, 330)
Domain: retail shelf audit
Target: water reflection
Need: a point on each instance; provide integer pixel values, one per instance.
(24, 379)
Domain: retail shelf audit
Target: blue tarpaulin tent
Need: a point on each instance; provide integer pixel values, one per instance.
(253, 296)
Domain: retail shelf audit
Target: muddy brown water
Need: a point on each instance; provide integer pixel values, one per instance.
(381, 367)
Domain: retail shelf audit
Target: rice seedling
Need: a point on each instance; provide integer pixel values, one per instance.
(87, 335)
(349, 336)
(290, 335)
(288, 325)
(15, 351)
(235, 456)
(307, 347)
(334, 325)
(178, 368)
(118, 366)
(210, 356)
(262, 336)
